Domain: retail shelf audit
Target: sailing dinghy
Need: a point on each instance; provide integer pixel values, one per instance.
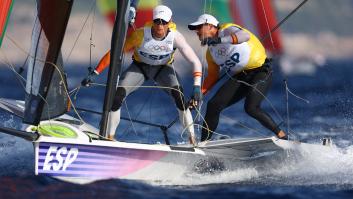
(69, 149)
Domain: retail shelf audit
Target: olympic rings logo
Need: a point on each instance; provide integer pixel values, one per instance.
(157, 48)
(222, 52)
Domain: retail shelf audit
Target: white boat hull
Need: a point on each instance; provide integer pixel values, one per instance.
(83, 158)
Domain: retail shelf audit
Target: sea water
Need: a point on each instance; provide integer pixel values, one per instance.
(326, 113)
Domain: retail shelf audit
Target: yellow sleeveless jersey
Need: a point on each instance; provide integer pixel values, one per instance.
(258, 52)
(151, 51)
(233, 57)
(237, 57)
(155, 53)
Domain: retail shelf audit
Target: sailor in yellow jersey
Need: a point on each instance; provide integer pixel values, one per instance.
(154, 46)
(244, 58)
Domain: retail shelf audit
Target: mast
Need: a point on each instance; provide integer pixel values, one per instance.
(116, 59)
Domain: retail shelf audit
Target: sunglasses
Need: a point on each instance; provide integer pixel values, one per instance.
(160, 22)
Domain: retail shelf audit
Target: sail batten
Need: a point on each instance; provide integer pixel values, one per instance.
(46, 96)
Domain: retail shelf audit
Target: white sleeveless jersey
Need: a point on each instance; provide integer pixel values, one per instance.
(155, 52)
(230, 56)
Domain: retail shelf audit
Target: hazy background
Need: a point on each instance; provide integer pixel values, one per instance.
(320, 27)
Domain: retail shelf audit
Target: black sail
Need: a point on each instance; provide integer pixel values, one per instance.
(46, 95)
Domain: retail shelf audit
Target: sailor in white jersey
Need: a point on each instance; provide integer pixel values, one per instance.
(154, 46)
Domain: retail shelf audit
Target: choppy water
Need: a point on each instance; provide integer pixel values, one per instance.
(312, 175)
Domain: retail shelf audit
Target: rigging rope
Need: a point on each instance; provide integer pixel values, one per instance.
(91, 44)
(19, 77)
(79, 34)
(269, 34)
(267, 25)
(198, 114)
(272, 42)
(56, 68)
(148, 101)
(285, 19)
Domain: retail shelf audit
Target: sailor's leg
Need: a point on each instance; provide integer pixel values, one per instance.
(261, 82)
(113, 122)
(230, 93)
(131, 79)
(185, 116)
(186, 120)
(114, 115)
(167, 78)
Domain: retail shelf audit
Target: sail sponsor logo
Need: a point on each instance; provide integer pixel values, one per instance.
(55, 158)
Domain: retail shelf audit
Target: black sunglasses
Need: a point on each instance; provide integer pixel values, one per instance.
(197, 27)
(160, 22)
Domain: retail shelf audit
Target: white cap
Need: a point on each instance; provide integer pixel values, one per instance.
(204, 19)
(162, 12)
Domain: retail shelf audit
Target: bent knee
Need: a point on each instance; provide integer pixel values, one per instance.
(119, 97)
(251, 110)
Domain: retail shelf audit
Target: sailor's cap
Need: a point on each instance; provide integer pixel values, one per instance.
(204, 19)
(162, 12)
